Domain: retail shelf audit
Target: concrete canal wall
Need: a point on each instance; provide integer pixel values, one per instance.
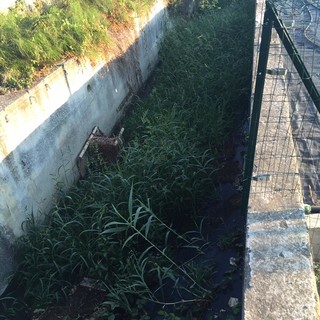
(43, 131)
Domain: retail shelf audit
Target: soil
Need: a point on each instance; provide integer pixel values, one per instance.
(82, 305)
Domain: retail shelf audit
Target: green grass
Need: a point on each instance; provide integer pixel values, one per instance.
(33, 39)
(124, 224)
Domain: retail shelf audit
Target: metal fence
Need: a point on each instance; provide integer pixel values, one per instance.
(282, 169)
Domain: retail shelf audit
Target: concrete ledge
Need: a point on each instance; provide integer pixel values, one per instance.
(279, 278)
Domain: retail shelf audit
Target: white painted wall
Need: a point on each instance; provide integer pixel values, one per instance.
(42, 132)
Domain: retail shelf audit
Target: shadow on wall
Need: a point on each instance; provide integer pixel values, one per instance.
(43, 131)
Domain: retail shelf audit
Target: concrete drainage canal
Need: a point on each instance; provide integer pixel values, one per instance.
(209, 256)
(152, 230)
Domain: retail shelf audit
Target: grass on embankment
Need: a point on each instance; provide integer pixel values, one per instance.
(31, 39)
(34, 38)
(118, 225)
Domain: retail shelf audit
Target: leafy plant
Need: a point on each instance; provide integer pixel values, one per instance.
(168, 316)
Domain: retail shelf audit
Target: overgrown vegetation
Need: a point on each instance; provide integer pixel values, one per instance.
(124, 224)
(32, 38)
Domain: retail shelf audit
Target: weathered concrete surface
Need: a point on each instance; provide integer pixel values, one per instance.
(279, 281)
(313, 224)
(43, 131)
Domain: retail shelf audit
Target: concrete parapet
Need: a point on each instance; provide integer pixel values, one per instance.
(279, 277)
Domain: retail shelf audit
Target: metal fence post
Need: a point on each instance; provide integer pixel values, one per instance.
(256, 108)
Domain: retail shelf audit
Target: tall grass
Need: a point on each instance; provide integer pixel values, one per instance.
(124, 224)
(32, 39)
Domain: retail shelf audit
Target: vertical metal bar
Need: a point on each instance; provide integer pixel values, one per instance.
(256, 108)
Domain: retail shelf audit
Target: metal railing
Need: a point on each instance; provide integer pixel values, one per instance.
(282, 166)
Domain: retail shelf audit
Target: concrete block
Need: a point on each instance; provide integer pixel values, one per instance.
(279, 277)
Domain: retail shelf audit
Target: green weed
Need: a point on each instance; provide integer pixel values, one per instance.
(33, 39)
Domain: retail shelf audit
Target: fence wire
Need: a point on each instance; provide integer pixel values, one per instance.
(286, 161)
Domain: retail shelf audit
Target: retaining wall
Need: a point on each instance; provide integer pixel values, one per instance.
(43, 131)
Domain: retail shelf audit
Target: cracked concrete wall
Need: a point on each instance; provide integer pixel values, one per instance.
(43, 131)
